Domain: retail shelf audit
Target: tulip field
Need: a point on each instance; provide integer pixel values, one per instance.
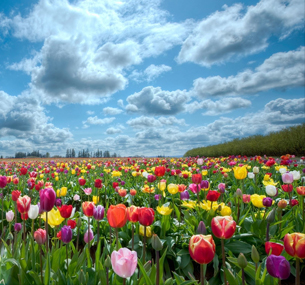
(144, 221)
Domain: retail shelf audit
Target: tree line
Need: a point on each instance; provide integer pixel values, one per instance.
(287, 141)
(70, 153)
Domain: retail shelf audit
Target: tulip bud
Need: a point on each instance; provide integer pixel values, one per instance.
(156, 243)
(9, 216)
(79, 222)
(271, 217)
(201, 230)
(255, 170)
(282, 204)
(108, 262)
(242, 261)
(238, 193)
(17, 227)
(254, 254)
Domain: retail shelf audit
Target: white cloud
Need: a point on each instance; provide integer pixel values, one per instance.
(221, 106)
(112, 111)
(230, 33)
(150, 73)
(112, 131)
(281, 70)
(90, 112)
(97, 121)
(148, 122)
(155, 101)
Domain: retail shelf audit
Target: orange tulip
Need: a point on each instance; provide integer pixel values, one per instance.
(202, 248)
(223, 227)
(295, 244)
(88, 208)
(301, 190)
(117, 216)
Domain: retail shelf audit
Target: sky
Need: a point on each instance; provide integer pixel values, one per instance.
(149, 78)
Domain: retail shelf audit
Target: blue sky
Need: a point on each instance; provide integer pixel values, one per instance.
(145, 77)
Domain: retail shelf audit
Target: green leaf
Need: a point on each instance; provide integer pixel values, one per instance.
(146, 277)
(230, 277)
(237, 247)
(47, 271)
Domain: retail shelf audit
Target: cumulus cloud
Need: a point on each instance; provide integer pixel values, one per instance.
(23, 120)
(97, 121)
(221, 106)
(148, 122)
(112, 111)
(112, 131)
(281, 70)
(155, 101)
(150, 73)
(233, 32)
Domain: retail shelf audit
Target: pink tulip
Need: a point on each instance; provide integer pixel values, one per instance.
(88, 191)
(124, 262)
(194, 188)
(90, 238)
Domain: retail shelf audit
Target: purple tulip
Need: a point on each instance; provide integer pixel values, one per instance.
(222, 187)
(90, 236)
(267, 202)
(3, 181)
(98, 212)
(204, 184)
(47, 199)
(184, 195)
(17, 227)
(58, 202)
(278, 266)
(119, 179)
(66, 234)
(158, 197)
(122, 183)
(151, 178)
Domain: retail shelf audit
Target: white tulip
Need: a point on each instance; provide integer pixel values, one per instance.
(9, 216)
(255, 169)
(271, 190)
(283, 170)
(251, 175)
(145, 174)
(33, 212)
(296, 174)
(72, 213)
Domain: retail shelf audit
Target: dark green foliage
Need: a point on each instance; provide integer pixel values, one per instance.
(290, 140)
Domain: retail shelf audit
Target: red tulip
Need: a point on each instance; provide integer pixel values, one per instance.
(98, 183)
(213, 195)
(301, 190)
(122, 192)
(295, 244)
(88, 208)
(3, 181)
(133, 192)
(160, 171)
(223, 227)
(15, 195)
(65, 211)
(72, 224)
(196, 178)
(23, 171)
(146, 216)
(202, 248)
(117, 216)
(82, 181)
(276, 248)
(23, 204)
(133, 214)
(287, 188)
(115, 185)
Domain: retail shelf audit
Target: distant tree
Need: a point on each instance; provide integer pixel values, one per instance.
(47, 154)
(72, 152)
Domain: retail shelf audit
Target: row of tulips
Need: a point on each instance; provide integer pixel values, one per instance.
(181, 192)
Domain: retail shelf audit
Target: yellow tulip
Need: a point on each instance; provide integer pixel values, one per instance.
(204, 172)
(162, 185)
(41, 176)
(240, 172)
(266, 177)
(257, 200)
(56, 178)
(73, 171)
(226, 211)
(189, 204)
(116, 173)
(164, 210)
(172, 188)
(270, 182)
(148, 231)
(62, 192)
(54, 218)
(95, 199)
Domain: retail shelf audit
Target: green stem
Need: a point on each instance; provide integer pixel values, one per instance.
(24, 237)
(2, 202)
(158, 267)
(89, 234)
(117, 238)
(41, 264)
(132, 236)
(67, 259)
(144, 245)
(297, 271)
(47, 234)
(223, 260)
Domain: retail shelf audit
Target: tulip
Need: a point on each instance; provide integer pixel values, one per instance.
(202, 248)
(88, 191)
(23, 171)
(47, 199)
(184, 195)
(124, 262)
(17, 227)
(221, 187)
(257, 200)
(301, 190)
(147, 231)
(201, 229)
(88, 208)
(295, 244)
(199, 161)
(225, 211)
(98, 212)
(287, 188)
(205, 185)
(146, 216)
(287, 178)
(95, 199)
(88, 236)
(3, 181)
(251, 175)
(98, 183)
(9, 216)
(278, 266)
(82, 181)
(133, 192)
(213, 195)
(276, 248)
(164, 210)
(23, 204)
(293, 202)
(282, 204)
(15, 195)
(271, 190)
(194, 188)
(160, 171)
(65, 211)
(66, 234)
(76, 197)
(40, 236)
(62, 192)
(132, 214)
(54, 218)
(172, 188)
(122, 192)
(58, 202)
(267, 202)
(255, 170)
(71, 224)
(246, 198)
(240, 172)
(117, 216)
(33, 212)
(223, 227)
(296, 175)
(158, 197)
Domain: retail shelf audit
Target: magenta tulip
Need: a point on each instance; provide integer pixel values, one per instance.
(278, 266)
(47, 199)
(124, 262)
(66, 234)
